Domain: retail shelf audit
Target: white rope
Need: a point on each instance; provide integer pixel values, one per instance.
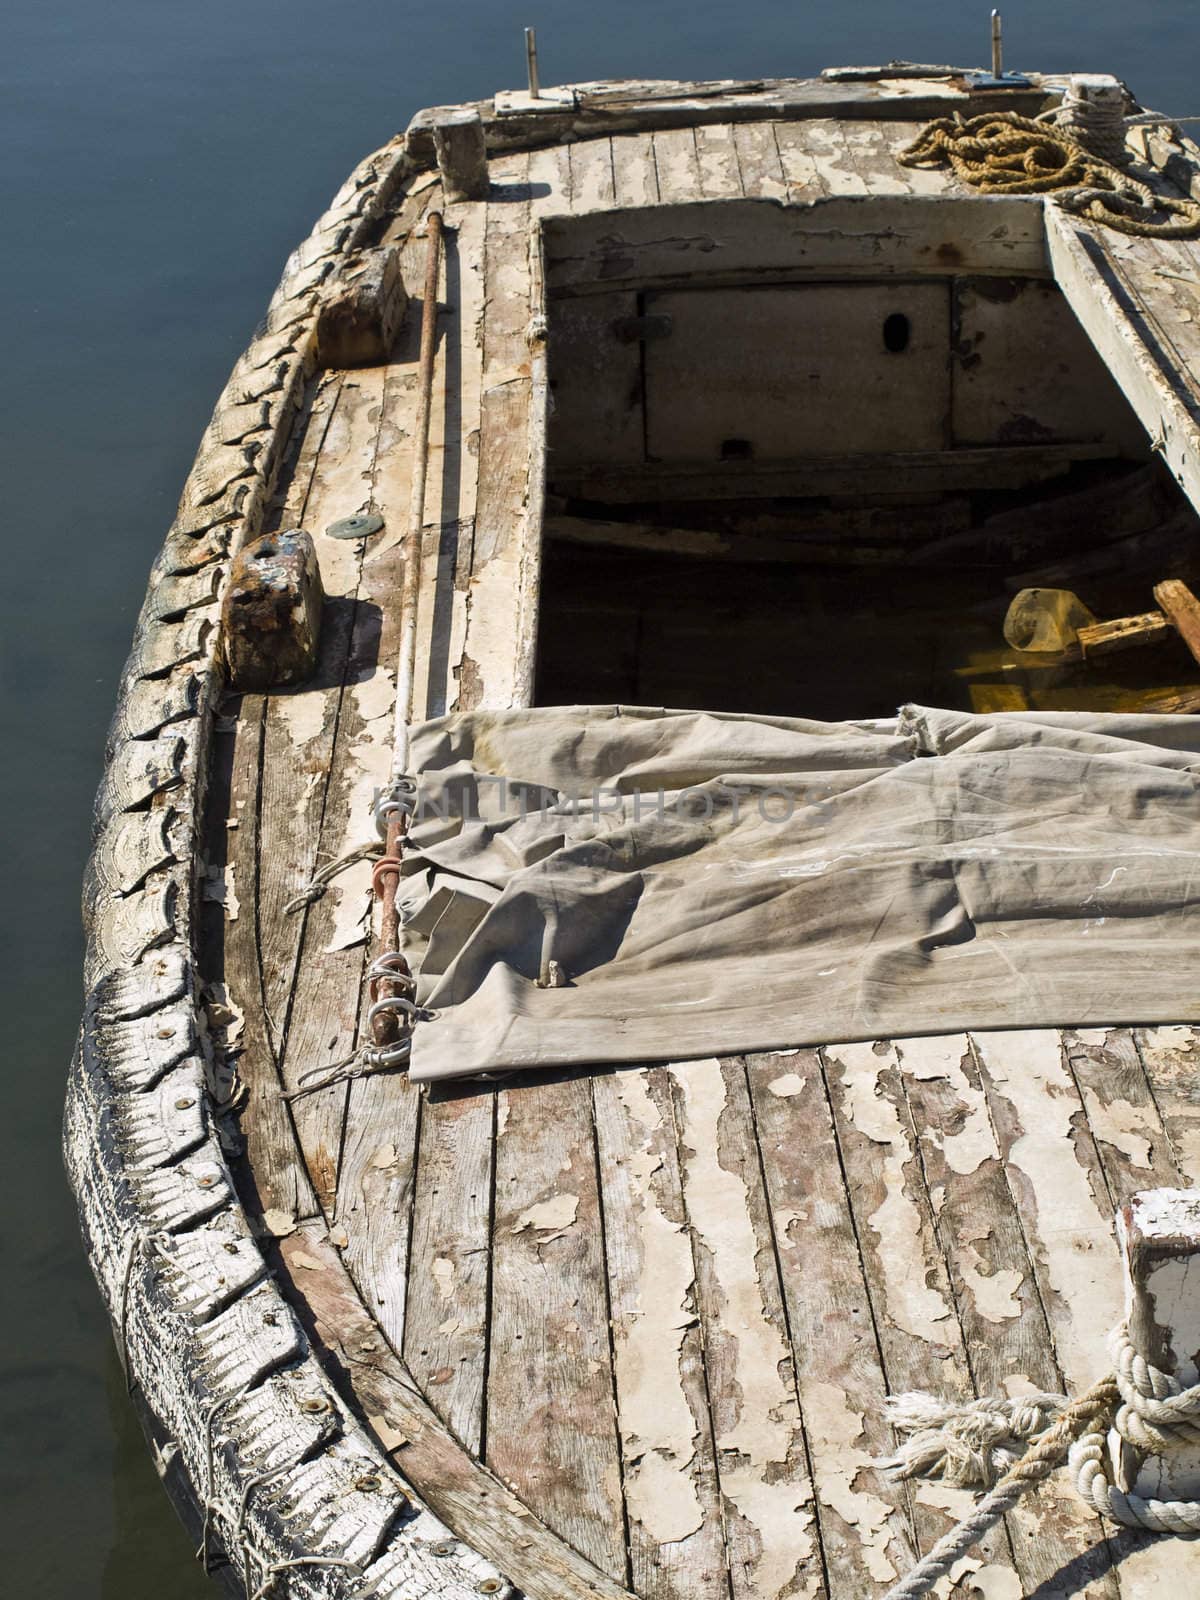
(1157, 1417)
(1098, 125)
(275, 1570)
(967, 1442)
(368, 1059)
(964, 1444)
(320, 880)
(1101, 125)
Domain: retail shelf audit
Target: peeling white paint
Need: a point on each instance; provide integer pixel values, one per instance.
(1074, 1236)
(375, 697)
(1170, 1038)
(911, 1304)
(790, 1084)
(658, 1430)
(956, 1503)
(1097, 1037)
(303, 712)
(833, 1429)
(1121, 1124)
(995, 1583)
(220, 889)
(994, 1293)
(443, 1270)
(552, 1217)
(941, 1057)
(765, 1482)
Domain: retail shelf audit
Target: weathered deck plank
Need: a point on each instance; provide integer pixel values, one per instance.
(1007, 1341)
(677, 1546)
(593, 187)
(762, 1469)
(453, 481)
(445, 1336)
(1052, 1166)
(1171, 1057)
(635, 175)
(315, 956)
(1132, 1145)
(920, 1338)
(759, 162)
(720, 175)
(551, 1424)
(864, 1522)
(677, 164)
(488, 666)
(282, 1192)
(802, 171)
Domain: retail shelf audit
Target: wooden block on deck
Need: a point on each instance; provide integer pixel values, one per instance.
(1159, 1232)
(461, 146)
(271, 613)
(357, 324)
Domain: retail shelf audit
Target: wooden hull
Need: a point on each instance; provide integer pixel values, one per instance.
(592, 1334)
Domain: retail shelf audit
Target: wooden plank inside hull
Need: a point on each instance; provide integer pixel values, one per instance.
(1123, 292)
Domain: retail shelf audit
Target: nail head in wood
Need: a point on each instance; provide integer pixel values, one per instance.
(271, 613)
(461, 147)
(359, 319)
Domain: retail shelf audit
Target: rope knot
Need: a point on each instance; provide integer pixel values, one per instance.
(968, 1442)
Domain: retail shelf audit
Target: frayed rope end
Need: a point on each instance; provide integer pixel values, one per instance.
(965, 1444)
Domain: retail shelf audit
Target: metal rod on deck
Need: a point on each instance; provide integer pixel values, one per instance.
(386, 1025)
(997, 47)
(531, 62)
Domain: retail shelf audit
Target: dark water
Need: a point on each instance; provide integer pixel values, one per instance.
(157, 162)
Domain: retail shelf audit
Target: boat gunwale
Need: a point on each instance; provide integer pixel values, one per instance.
(142, 968)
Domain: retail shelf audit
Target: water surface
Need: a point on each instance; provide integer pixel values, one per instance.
(159, 161)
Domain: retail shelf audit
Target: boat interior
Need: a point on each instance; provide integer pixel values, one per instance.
(804, 495)
(802, 424)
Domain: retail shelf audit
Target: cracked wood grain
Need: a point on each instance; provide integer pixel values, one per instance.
(675, 1530)
(551, 1423)
(920, 1339)
(762, 1471)
(865, 1528)
(1171, 1058)
(445, 1337)
(1008, 1345)
(1057, 1177)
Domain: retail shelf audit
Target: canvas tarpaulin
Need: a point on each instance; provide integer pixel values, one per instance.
(608, 883)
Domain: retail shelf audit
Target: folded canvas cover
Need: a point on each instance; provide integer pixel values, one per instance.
(611, 883)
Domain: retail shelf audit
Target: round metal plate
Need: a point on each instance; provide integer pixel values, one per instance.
(360, 527)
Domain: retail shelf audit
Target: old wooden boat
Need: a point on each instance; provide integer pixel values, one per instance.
(722, 406)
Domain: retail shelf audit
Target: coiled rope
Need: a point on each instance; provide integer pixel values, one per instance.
(1004, 153)
(966, 1443)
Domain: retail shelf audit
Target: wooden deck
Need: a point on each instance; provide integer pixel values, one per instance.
(663, 1305)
